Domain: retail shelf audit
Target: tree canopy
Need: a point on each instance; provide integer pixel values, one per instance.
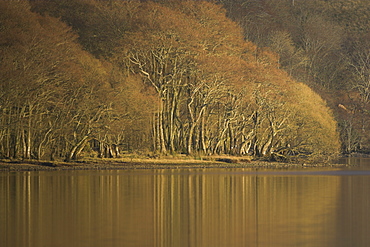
(101, 77)
(323, 43)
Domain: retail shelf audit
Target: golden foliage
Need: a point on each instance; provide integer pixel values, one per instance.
(177, 76)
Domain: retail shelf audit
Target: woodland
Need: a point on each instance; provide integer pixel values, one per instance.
(274, 79)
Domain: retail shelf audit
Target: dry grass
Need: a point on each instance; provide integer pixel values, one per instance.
(170, 159)
(137, 162)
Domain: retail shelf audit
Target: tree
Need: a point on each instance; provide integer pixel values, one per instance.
(187, 67)
(47, 79)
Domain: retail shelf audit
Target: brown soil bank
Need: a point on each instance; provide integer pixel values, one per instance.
(122, 164)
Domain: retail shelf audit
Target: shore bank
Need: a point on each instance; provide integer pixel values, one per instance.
(106, 164)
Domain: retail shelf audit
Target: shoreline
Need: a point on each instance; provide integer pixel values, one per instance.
(136, 164)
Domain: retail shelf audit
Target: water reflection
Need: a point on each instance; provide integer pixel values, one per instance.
(183, 208)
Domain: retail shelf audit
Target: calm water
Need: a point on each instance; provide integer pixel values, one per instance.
(160, 208)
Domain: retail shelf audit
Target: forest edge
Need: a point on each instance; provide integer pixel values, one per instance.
(151, 163)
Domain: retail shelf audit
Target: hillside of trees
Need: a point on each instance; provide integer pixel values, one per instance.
(323, 43)
(98, 78)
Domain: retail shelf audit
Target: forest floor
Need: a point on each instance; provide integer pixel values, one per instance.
(152, 163)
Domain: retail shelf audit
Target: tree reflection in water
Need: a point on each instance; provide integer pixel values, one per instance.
(184, 208)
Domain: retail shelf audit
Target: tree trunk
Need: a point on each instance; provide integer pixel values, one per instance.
(161, 126)
(39, 148)
(171, 131)
(76, 149)
(203, 134)
(28, 140)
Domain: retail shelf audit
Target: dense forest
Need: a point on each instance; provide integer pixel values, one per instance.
(323, 43)
(274, 79)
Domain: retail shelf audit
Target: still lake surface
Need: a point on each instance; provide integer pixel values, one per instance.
(187, 207)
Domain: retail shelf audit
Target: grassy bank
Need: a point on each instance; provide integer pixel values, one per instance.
(168, 162)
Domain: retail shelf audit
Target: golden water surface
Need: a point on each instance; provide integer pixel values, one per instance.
(160, 208)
